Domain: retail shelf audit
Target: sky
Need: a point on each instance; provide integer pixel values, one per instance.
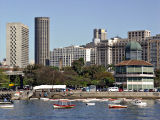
(72, 21)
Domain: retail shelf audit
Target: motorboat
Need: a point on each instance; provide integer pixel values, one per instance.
(116, 106)
(6, 103)
(90, 103)
(138, 102)
(63, 104)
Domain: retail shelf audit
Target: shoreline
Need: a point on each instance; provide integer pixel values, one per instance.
(84, 95)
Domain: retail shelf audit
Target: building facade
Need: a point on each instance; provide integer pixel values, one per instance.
(153, 52)
(42, 53)
(116, 48)
(17, 52)
(62, 57)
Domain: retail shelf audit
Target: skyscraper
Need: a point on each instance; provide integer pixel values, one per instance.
(100, 34)
(17, 53)
(42, 40)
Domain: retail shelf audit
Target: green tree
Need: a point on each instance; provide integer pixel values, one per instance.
(4, 80)
(77, 65)
(157, 78)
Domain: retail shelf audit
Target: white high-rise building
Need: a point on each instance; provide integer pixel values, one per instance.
(17, 44)
(62, 57)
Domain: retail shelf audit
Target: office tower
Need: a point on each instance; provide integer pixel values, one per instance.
(17, 45)
(138, 35)
(99, 35)
(42, 40)
(65, 56)
(153, 50)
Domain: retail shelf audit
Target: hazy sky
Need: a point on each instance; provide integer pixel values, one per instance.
(72, 21)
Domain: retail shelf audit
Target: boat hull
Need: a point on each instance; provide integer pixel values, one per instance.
(63, 106)
(6, 106)
(116, 106)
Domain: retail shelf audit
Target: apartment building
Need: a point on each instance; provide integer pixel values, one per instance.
(62, 57)
(17, 45)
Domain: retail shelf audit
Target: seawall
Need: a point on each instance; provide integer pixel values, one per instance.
(75, 95)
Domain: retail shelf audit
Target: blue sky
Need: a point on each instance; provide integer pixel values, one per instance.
(72, 21)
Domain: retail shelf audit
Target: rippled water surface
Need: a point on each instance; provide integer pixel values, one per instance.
(41, 110)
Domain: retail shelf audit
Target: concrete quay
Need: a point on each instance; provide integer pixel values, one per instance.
(77, 95)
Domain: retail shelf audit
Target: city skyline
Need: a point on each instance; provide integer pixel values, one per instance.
(72, 23)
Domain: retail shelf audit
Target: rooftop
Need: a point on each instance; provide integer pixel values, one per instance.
(134, 62)
(133, 46)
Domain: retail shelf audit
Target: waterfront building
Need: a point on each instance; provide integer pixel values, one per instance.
(42, 40)
(62, 57)
(134, 73)
(17, 44)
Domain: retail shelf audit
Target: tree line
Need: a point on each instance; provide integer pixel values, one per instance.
(78, 75)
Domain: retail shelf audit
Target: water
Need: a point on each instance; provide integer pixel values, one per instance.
(42, 110)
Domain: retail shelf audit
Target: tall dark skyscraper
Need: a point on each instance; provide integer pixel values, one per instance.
(42, 40)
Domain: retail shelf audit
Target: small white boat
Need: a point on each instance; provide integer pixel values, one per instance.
(138, 103)
(90, 103)
(6, 105)
(116, 106)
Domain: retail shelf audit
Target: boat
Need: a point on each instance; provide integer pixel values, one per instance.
(138, 102)
(116, 106)
(63, 104)
(6, 103)
(90, 103)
